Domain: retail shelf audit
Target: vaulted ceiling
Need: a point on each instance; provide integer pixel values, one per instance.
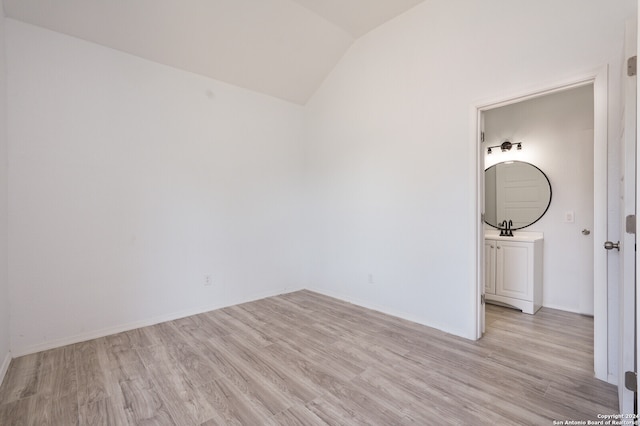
(283, 48)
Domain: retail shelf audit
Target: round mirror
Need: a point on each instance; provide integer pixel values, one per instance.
(517, 191)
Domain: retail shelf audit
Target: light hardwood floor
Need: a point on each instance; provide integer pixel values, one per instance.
(307, 359)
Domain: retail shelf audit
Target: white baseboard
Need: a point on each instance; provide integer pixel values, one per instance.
(4, 367)
(82, 337)
(95, 334)
(564, 308)
(392, 312)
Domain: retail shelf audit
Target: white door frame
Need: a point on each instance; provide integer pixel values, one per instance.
(599, 79)
(626, 333)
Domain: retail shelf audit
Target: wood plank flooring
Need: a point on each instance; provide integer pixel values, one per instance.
(307, 359)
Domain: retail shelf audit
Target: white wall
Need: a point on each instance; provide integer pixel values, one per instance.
(129, 181)
(556, 132)
(389, 132)
(4, 284)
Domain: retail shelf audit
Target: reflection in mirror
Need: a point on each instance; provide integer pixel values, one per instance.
(515, 190)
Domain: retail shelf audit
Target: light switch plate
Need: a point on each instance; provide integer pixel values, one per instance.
(569, 217)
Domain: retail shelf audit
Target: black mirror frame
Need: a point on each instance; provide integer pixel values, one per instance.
(550, 193)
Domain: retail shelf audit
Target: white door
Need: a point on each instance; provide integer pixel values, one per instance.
(626, 361)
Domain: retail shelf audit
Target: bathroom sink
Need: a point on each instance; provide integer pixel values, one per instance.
(517, 235)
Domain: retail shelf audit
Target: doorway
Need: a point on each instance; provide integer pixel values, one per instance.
(593, 301)
(554, 134)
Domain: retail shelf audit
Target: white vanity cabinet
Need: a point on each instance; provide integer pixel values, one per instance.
(513, 270)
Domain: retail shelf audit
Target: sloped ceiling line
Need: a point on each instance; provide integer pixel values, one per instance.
(282, 48)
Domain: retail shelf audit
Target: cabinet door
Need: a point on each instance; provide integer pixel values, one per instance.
(490, 266)
(514, 270)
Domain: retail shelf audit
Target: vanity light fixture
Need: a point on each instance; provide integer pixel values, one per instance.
(505, 146)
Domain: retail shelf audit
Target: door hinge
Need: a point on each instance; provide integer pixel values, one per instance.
(631, 381)
(481, 136)
(630, 224)
(632, 65)
(482, 299)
